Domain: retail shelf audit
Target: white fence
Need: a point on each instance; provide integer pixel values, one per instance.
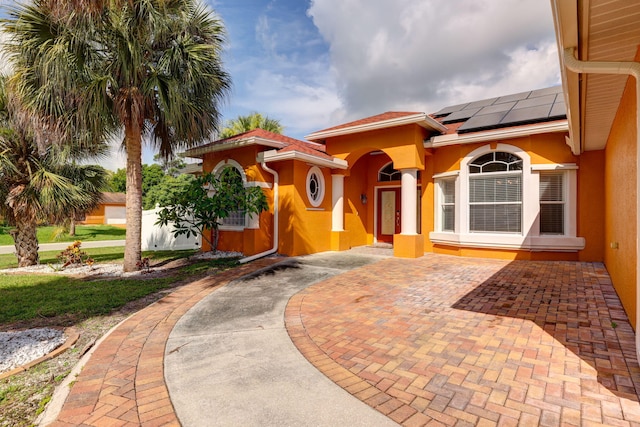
(156, 238)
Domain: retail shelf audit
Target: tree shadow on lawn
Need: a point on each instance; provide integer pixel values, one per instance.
(114, 233)
(39, 300)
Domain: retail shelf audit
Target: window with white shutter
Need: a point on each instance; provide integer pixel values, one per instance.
(447, 204)
(552, 203)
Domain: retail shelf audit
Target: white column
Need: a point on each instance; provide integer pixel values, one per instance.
(337, 202)
(409, 201)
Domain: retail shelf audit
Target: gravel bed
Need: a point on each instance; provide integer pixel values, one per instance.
(19, 348)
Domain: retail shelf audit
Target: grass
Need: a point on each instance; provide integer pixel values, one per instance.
(26, 297)
(112, 254)
(84, 233)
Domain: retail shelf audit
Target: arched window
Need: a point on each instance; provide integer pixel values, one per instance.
(231, 176)
(388, 173)
(495, 193)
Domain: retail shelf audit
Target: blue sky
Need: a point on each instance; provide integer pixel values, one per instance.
(313, 64)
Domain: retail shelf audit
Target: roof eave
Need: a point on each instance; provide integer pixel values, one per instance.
(565, 21)
(199, 152)
(502, 133)
(275, 156)
(420, 119)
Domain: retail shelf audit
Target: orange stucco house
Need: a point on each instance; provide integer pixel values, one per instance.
(550, 174)
(111, 210)
(493, 178)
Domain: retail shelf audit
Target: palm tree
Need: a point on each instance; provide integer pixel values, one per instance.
(253, 121)
(40, 185)
(149, 67)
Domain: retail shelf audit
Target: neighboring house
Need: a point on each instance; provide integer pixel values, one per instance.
(112, 210)
(598, 43)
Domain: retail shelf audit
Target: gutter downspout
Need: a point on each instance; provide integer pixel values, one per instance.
(274, 249)
(631, 69)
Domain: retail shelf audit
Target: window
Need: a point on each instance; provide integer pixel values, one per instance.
(498, 199)
(232, 177)
(315, 186)
(447, 204)
(388, 174)
(552, 203)
(495, 193)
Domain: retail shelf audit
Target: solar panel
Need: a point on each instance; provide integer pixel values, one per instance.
(534, 102)
(485, 121)
(546, 91)
(559, 109)
(482, 103)
(528, 115)
(451, 109)
(460, 115)
(514, 97)
(496, 108)
(517, 109)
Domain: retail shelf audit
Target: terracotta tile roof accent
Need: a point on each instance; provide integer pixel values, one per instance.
(291, 144)
(113, 198)
(389, 115)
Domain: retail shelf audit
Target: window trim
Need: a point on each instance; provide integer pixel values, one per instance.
(530, 237)
(315, 170)
(250, 221)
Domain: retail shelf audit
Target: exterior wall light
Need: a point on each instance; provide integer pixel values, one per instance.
(363, 199)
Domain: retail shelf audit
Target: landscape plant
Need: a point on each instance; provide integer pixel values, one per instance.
(149, 69)
(207, 201)
(249, 122)
(40, 184)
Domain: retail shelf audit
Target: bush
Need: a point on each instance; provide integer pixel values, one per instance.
(73, 255)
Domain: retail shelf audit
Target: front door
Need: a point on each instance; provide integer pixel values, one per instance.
(388, 214)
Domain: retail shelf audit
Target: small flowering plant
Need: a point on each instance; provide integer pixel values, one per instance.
(73, 255)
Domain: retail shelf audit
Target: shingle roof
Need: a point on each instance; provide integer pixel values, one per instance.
(113, 198)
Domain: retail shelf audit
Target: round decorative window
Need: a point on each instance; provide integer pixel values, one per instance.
(315, 186)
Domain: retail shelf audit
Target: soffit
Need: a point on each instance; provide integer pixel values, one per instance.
(609, 31)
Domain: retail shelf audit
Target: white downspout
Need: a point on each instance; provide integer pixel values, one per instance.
(631, 69)
(274, 249)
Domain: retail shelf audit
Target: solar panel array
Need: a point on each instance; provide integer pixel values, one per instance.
(521, 108)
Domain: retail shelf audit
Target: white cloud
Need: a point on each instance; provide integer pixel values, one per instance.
(428, 54)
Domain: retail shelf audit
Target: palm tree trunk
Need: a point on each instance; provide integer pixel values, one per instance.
(72, 227)
(133, 237)
(26, 241)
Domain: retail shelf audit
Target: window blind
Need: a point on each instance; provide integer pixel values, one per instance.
(495, 203)
(552, 204)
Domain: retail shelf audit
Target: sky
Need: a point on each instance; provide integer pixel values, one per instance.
(314, 64)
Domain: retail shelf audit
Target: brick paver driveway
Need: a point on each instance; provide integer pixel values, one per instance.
(454, 341)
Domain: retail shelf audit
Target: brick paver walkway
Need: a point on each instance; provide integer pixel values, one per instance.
(123, 382)
(452, 341)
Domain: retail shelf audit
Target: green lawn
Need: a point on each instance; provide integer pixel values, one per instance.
(84, 233)
(26, 297)
(112, 254)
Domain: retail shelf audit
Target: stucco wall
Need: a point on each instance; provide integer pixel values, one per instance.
(620, 232)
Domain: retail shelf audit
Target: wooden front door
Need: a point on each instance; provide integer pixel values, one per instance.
(388, 214)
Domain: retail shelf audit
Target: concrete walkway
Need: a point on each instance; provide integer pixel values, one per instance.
(230, 362)
(9, 249)
(437, 341)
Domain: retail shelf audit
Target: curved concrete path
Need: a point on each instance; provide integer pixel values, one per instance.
(229, 360)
